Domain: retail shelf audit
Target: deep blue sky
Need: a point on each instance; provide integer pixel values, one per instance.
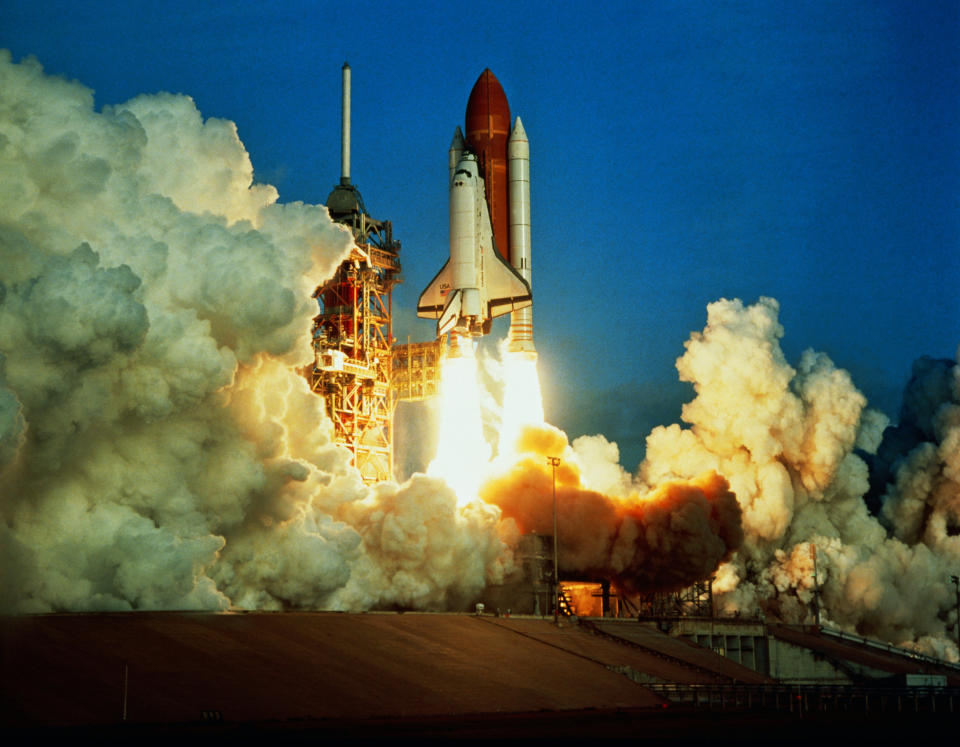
(681, 152)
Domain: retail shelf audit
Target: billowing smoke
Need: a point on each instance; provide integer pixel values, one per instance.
(792, 442)
(918, 462)
(663, 539)
(157, 448)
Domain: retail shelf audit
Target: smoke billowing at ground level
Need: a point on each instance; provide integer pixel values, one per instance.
(673, 536)
(158, 449)
(797, 446)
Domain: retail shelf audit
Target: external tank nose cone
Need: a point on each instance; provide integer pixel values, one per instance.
(488, 113)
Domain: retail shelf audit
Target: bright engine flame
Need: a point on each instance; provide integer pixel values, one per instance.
(522, 401)
(462, 453)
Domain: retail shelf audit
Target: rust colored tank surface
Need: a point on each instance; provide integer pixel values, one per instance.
(488, 128)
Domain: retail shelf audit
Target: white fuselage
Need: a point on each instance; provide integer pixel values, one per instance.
(476, 284)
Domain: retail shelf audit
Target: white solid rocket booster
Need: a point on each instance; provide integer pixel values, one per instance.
(518, 168)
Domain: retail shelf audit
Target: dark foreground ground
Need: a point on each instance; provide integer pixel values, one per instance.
(144, 678)
(670, 726)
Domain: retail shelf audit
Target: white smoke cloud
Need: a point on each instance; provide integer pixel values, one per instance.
(158, 450)
(157, 447)
(785, 439)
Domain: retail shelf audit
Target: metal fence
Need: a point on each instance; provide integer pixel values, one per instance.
(808, 698)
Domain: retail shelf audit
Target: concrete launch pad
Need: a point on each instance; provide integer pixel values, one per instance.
(179, 667)
(182, 674)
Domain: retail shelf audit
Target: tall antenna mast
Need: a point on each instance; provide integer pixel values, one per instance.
(345, 128)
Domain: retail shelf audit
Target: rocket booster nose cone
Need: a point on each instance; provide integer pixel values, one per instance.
(518, 132)
(458, 141)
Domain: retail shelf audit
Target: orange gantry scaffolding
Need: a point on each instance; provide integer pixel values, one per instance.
(358, 370)
(416, 369)
(353, 339)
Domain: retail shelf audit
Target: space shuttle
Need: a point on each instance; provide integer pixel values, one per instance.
(476, 284)
(488, 271)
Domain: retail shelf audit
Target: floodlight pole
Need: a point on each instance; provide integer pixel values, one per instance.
(553, 462)
(816, 587)
(956, 583)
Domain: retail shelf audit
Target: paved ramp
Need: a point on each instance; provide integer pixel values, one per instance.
(69, 669)
(647, 660)
(681, 650)
(863, 652)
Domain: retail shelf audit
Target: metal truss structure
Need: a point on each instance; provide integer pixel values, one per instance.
(353, 339)
(694, 601)
(416, 369)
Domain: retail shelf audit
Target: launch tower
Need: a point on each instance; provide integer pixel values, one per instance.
(353, 333)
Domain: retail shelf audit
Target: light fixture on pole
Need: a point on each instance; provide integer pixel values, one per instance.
(553, 462)
(956, 583)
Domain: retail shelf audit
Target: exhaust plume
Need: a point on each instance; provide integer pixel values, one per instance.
(664, 539)
(158, 449)
(792, 442)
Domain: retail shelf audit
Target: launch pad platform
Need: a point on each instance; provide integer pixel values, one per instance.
(305, 675)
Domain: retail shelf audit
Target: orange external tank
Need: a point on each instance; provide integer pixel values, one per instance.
(488, 128)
